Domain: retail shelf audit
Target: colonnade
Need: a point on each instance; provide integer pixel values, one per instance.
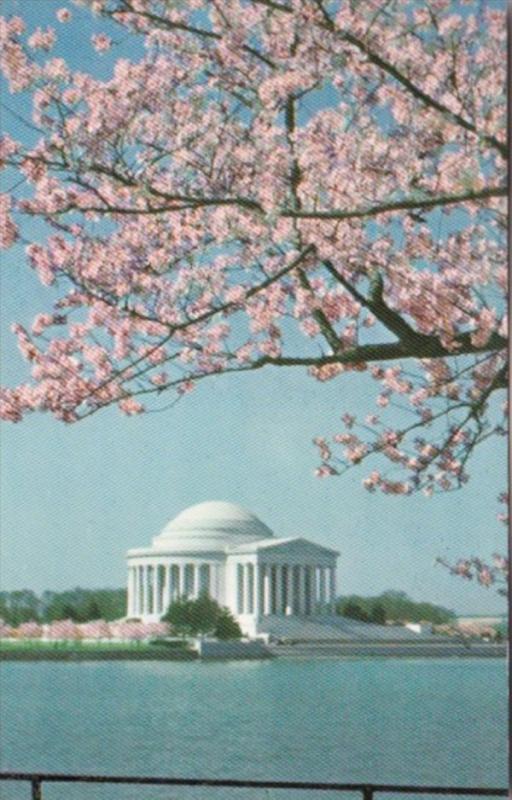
(259, 589)
(289, 589)
(152, 587)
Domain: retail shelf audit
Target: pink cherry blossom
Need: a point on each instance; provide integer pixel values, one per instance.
(42, 40)
(95, 629)
(101, 42)
(6, 630)
(8, 229)
(29, 630)
(63, 629)
(63, 15)
(130, 406)
(138, 631)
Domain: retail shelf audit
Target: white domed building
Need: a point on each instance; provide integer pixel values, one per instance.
(224, 550)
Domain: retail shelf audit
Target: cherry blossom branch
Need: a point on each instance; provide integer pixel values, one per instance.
(412, 343)
(487, 575)
(401, 205)
(395, 73)
(167, 24)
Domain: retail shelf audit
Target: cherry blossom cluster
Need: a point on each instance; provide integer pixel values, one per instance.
(495, 574)
(67, 630)
(444, 417)
(287, 184)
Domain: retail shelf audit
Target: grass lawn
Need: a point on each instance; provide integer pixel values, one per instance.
(37, 650)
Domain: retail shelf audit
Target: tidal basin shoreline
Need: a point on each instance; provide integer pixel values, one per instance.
(299, 650)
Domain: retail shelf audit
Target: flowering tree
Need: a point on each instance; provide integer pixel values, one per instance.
(95, 629)
(157, 629)
(138, 631)
(29, 630)
(6, 630)
(62, 630)
(273, 183)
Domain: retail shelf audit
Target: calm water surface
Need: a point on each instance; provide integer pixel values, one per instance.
(396, 721)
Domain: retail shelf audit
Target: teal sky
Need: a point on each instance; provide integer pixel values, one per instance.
(75, 498)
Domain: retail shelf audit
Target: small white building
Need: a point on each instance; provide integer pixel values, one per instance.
(221, 549)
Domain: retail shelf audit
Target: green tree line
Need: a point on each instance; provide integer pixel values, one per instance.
(392, 606)
(80, 605)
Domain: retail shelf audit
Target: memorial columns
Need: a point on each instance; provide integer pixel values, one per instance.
(257, 590)
(167, 588)
(140, 591)
(302, 590)
(156, 580)
(266, 590)
(181, 580)
(313, 588)
(131, 592)
(133, 611)
(289, 590)
(322, 589)
(332, 590)
(144, 589)
(247, 589)
(279, 589)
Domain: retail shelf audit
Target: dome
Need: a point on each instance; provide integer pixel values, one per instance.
(211, 526)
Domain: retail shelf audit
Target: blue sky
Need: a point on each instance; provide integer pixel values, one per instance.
(75, 498)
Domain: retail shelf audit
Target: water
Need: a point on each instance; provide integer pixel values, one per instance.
(395, 721)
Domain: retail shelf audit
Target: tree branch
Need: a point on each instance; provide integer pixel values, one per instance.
(414, 344)
(400, 205)
(375, 303)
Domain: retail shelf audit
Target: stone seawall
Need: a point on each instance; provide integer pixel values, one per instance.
(208, 650)
(389, 650)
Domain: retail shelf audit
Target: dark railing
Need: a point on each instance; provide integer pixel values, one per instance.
(367, 790)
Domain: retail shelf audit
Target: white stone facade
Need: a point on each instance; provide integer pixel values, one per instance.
(221, 549)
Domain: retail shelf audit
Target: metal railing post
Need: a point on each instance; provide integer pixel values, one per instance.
(37, 791)
(367, 792)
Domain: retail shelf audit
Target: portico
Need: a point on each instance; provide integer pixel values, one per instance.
(287, 577)
(223, 550)
(265, 589)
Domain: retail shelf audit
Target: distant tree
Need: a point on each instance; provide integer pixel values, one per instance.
(112, 603)
(227, 627)
(354, 611)
(400, 607)
(60, 609)
(19, 606)
(91, 609)
(201, 617)
(378, 614)
(191, 617)
(83, 605)
(392, 605)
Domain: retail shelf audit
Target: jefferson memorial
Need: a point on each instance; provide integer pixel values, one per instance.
(224, 550)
